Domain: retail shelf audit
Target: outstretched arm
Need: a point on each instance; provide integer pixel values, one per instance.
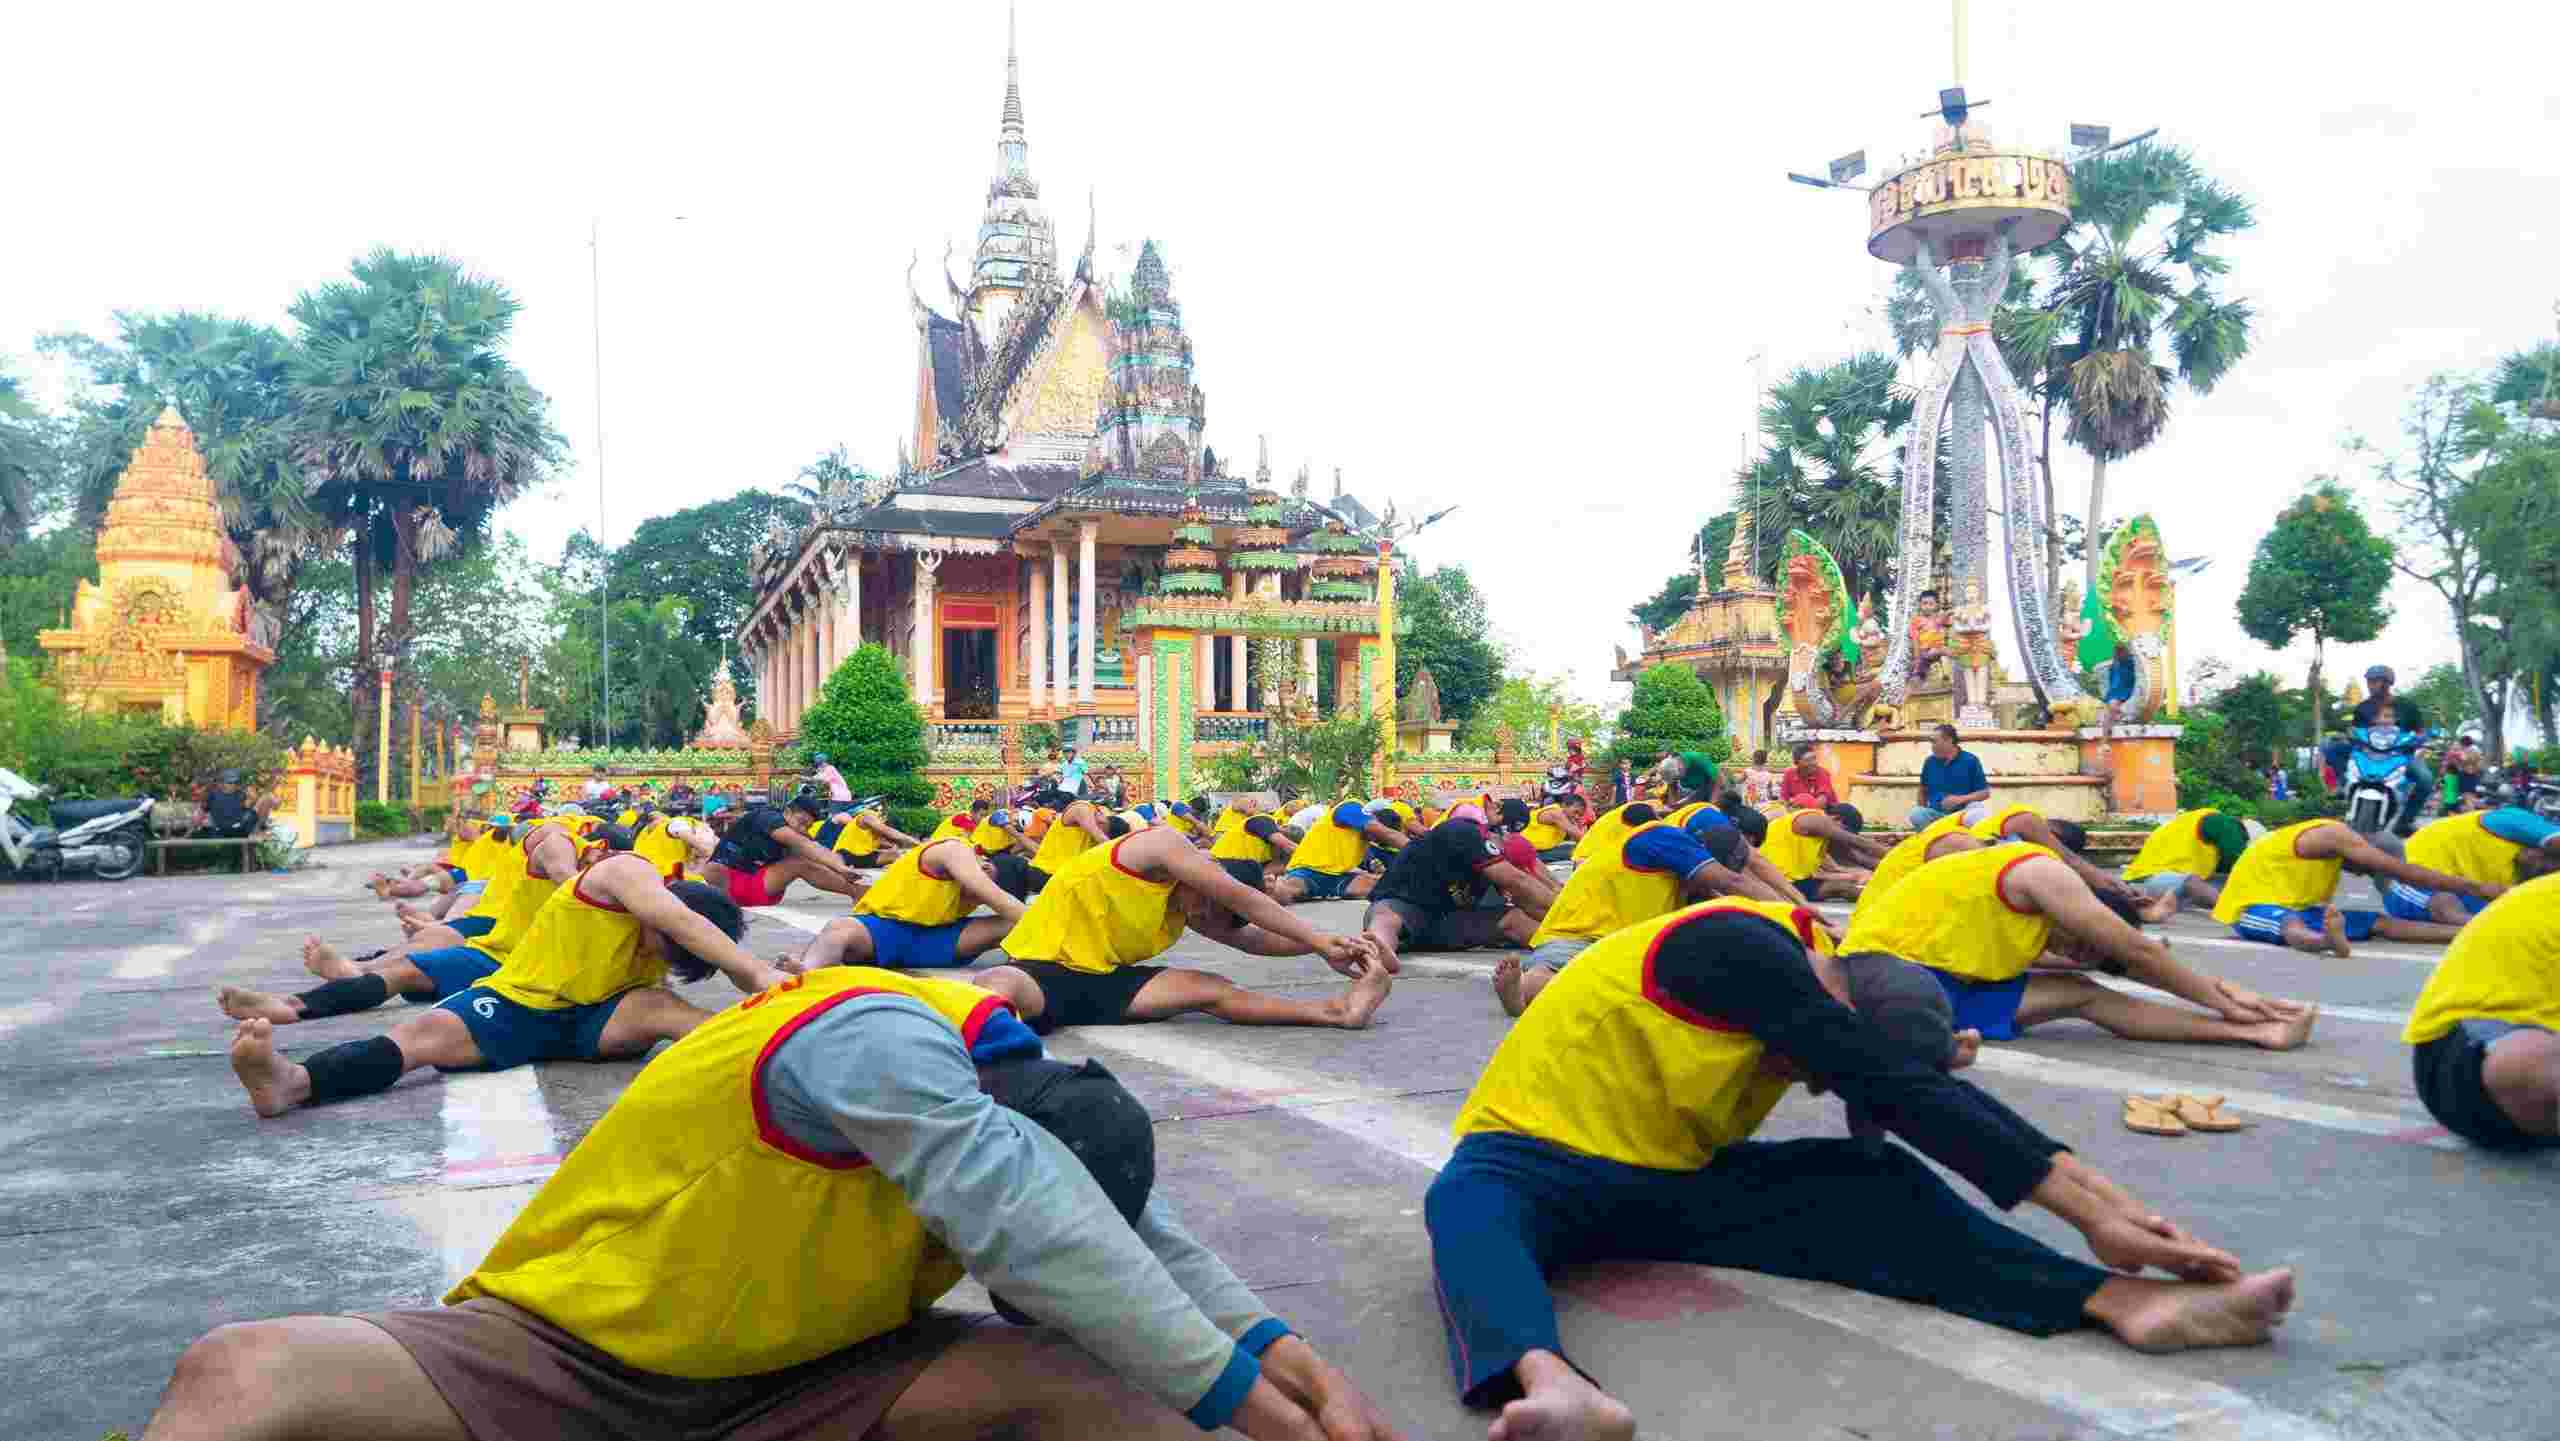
(804, 845)
(2366, 858)
(884, 830)
(628, 882)
(1530, 893)
(1268, 928)
(2057, 892)
(960, 865)
(2030, 827)
(1089, 821)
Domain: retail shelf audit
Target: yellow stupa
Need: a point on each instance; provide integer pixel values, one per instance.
(166, 629)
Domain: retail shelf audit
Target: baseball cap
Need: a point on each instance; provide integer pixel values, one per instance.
(1467, 811)
(1094, 1116)
(1512, 813)
(2377, 672)
(818, 759)
(1908, 1005)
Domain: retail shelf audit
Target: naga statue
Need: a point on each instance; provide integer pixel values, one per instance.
(2140, 603)
(1826, 680)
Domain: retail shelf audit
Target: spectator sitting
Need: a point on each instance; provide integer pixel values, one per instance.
(1807, 787)
(1950, 779)
(231, 814)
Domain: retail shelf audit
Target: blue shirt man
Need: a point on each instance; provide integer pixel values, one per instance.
(1071, 774)
(1950, 779)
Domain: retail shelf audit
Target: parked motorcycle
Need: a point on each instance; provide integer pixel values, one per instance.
(2381, 793)
(105, 838)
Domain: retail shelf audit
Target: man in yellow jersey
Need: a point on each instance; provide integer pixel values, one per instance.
(1979, 919)
(1078, 955)
(1942, 837)
(843, 1148)
(2281, 891)
(864, 836)
(1251, 837)
(917, 916)
(1555, 824)
(767, 848)
(478, 858)
(582, 984)
(1615, 1120)
(1824, 854)
(1656, 869)
(1448, 888)
(1327, 865)
(441, 876)
(1081, 825)
(2506, 846)
(961, 823)
(2183, 858)
(1676, 784)
(2487, 1024)
(1992, 822)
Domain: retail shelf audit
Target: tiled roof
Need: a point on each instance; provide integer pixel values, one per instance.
(947, 342)
(988, 478)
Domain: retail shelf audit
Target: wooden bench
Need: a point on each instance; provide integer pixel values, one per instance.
(248, 846)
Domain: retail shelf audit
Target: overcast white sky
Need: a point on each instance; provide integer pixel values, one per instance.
(1513, 258)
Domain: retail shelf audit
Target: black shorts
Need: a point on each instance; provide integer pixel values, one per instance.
(1430, 930)
(2447, 1070)
(1070, 997)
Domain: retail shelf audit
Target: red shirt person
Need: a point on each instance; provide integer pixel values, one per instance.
(1807, 786)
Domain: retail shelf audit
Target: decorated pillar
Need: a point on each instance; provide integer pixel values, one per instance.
(413, 751)
(1039, 638)
(382, 764)
(849, 617)
(927, 562)
(1146, 695)
(1058, 625)
(1205, 666)
(1170, 660)
(1307, 669)
(1085, 535)
(1379, 660)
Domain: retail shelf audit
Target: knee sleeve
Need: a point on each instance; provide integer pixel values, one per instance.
(357, 1068)
(339, 998)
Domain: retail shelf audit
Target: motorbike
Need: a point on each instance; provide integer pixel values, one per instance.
(2381, 794)
(105, 838)
(2536, 794)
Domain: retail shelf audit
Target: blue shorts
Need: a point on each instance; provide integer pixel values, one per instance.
(510, 1035)
(454, 969)
(2408, 903)
(472, 928)
(1321, 886)
(905, 946)
(1990, 1007)
(2266, 923)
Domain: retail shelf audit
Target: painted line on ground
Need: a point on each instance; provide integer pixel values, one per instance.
(2397, 1125)
(2369, 1015)
(500, 1145)
(2084, 1376)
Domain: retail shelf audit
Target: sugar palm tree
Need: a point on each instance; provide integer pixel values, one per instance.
(27, 461)
(1828, 469)
(834, 468)
(2137, 272)
(413, 426)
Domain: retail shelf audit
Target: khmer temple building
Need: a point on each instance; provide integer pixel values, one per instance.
(1059, 542)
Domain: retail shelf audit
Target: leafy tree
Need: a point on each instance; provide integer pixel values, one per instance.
(1672, 710)
(2445, 698)
(1668, 604)
(2259, 713)
(412, 427)
(2511, 505)
(1523, 703)
(1712, 542)
(37, 580)
(700, 555)
(871, 729)
(31, 463)
(1830, 469)
(2320, 569)
(1452, 634)
(815, 479)
(2217, 769)
(2136, 271)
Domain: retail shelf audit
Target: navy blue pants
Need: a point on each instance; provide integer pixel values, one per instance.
(1508, 1211)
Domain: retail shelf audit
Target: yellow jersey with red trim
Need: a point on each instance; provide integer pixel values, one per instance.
(852, 839)
(2177, 846)
(1680, 814)
(906, 892)
(1235, 843)
(1331, 848)
(2270, 873)
(1622, 1070)
(1994, 828)
(1951, 915)
(635, 1245)
(1608, 828)
(2504, 965)
(579, 950)
(1606, 893)
(991, 839)
(525, 894)
(665, 853)
(1545, 831)
(1796, 855)
(1097, 915)
(1064, 842)
(2463, 846)
(1905, 857)
(951, 826)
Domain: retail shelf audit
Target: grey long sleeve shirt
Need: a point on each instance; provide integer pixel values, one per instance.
(885, 1077)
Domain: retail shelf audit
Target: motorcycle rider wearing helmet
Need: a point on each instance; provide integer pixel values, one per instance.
(2378, 680)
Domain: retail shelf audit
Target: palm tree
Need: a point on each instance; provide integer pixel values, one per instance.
(27, 463)
(412, 425)
(1826, 470)
(819, 476)
(2136, 270)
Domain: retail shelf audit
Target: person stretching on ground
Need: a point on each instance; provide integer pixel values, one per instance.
(1942, 837)
(2281, 891)
(478, 857)
(1326, 866)
(1978, 920)
(1555, 824)
(1077, 957)
(581, 985)
(2502, 847)
(1658, 868)
(1614, 1122)
(960, 823)
(2487, 1025)
(765, 849)
(1823, 853)
(1250, 833)
(448, 871)
(864, 837)
(1443, 891)
(2182, 859)
(1991, 823)
(917, 916)
(1080, 827)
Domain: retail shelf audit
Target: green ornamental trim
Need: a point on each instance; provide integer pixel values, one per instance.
(1176, 703)
(1368, 677)
(1326, 540)
(1196, 534)
(1263, 622)
(1267, 514)
(2139, 527)
(1842, 637)
(1189, 582)
(1351, 590)
(1266, 560)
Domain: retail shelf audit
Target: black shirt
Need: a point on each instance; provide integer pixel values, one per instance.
(229, 810)
(2405, 714)
(1749, 972)
(749, 845)
(1441, 869)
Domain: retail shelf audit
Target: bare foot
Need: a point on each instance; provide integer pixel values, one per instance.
(2156, 909)
(2285, 1035)
(1506, 984)
(2183, 1316)
(378, 883)
(241, 1004)
(320, 960)
(414, 922)
(789, 963)
(1560, 1406)
(274, 1084)
(2333, 930)
(1368, 992)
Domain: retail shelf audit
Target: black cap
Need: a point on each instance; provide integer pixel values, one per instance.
(1512, 814)
(1095, 1116)
(1906, 1003)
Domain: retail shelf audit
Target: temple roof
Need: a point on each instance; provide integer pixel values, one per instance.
(925, 520)
(990, 477)
(948, 343)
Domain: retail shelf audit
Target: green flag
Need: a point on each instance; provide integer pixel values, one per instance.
(2098, 647)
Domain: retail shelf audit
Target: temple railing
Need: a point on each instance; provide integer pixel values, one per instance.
(987, 735)
(1230, 728)
(1115, 730)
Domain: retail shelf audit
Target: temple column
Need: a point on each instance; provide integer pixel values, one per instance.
(1058, 625)
(1244, 646)
(849, 609)
(1039, 638)
(927, 562)
(1307, 668)
(764, 701)
(1205, 661)
(1146, 702)
(821, 640)
(1085, 535)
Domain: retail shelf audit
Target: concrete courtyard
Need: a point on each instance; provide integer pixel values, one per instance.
(142, 1203)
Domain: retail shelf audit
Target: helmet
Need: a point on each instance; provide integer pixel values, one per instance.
(819, 759)
(231, 778)
(2381, 673)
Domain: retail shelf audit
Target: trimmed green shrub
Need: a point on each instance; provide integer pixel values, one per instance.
(87, 755)
(870, 729)
(376, 820)
(917, 821)
(1672, 711)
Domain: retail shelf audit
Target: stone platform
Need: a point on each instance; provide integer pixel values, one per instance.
(2074, 775)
